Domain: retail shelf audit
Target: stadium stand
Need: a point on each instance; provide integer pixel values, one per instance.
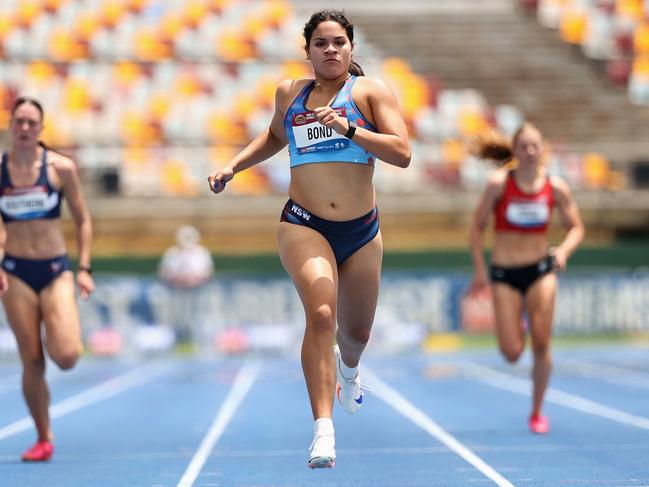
(150, 96)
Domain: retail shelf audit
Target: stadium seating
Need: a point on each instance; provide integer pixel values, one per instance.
(164, 92)
(613, 31)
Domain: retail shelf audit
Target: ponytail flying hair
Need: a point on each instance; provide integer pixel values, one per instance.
(496, 147)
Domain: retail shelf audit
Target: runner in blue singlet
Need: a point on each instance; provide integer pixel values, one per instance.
(335, 126)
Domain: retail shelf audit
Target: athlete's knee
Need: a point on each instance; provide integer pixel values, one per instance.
(322, 319)
(67, 358)
(511, 353)
(358, 336)
(541, 348)
(34, 364)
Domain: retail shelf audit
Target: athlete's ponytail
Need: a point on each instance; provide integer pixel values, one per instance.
(355, 69)
(496, 147)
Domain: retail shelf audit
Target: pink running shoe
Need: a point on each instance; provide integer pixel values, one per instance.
(42, 451)
(539, 424)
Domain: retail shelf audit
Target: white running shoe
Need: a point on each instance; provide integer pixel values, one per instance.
(350, 392)
(322, 451)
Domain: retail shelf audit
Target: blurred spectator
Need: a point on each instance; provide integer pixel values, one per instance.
(187, 264)
(185, 267)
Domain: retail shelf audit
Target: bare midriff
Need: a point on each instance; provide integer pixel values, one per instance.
(336, 191)
(35, 239)
(511, 249)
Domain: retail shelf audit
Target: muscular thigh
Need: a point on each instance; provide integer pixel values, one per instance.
(21, 305)
(539, 302)
(307, 257)
(508, 308)
(358, 288)
(60, 314)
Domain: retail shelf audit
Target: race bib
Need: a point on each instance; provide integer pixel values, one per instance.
(311, 136)
(29, 204)
(527, 214)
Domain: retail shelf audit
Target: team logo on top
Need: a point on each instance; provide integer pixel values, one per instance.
(300, 119)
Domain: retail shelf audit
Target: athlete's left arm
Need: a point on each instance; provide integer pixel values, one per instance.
(377, 102)
(71, 184)
(570, 219)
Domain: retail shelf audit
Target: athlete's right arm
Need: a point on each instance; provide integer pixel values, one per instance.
(265, 145)
(479, 222)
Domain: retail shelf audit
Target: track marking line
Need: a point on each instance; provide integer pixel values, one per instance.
(240, 388)
(610, 373)
(103, 391)
(524, 387)
(399, 403)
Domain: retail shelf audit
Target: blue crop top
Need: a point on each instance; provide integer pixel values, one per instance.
(309, 141)
(23, 203)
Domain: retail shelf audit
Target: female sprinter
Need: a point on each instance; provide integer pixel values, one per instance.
(329, 240)
(522, 264)
(35, 279)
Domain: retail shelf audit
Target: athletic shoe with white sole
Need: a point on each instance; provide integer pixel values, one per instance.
(322, 451)
(350, 391)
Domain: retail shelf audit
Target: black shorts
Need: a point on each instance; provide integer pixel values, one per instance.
(521, 278)
(345, 237)
(36, 273)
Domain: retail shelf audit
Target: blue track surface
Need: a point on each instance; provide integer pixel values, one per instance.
(449, 419)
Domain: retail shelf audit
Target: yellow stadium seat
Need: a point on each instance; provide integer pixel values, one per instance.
(76, 96)
(266, 87)
(174, 180)
(250, 182)
(148, 46)
(641, 39)
(63, 46)
(194, 12)
(233, 46)
(41, 73)
(159, 105)
(7, 24)
(277, 12)
(27, 12)
(5, 116)
(137, 129)
(632, 9)
(187, 85)
(86, 26)
(641, 67)
(52, 6)
(221, 128)
(596, 171)
(296, 70)
(471, 122)
(170, 26)
(125, 73)
(111, 12)
(573, 26)
(244, 105)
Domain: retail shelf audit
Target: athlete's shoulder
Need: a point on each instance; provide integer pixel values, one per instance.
(291, 87)
(63, 164)
(498, 177)
(559, 186)
(372, 85)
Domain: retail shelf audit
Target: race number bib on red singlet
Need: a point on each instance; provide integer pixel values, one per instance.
(528, 213)
(311, 136)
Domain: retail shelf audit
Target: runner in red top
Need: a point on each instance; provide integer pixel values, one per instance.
(522, 263)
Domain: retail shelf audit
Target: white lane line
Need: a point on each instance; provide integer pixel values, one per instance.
(610, 373)
(395, 400)
(242, 384)
(90, 396)
(524, 387)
